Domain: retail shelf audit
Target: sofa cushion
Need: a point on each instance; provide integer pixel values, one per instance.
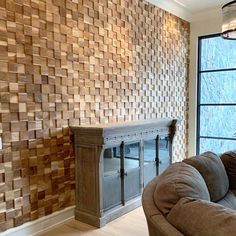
(229, 200)
(229, 161)
(202, 218)
(212, 170)
(177, 181)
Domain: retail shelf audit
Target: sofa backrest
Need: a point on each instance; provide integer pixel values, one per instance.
(213, 172)
(229, 161)
(177, 181)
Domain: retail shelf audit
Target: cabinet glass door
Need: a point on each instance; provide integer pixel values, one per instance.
(111, 178)
(131, 163)
(150, 165)
(164, 153)
(130, 166)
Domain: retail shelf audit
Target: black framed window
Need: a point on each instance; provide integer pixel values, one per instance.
(216, 103)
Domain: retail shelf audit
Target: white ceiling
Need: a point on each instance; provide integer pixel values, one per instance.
(192, 10)
(200, 5)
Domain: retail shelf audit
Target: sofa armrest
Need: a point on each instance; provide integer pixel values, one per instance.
(198, 217)
(157, 223)
(159, 226)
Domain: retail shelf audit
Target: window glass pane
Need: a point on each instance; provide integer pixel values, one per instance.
(218, 121)
(218, 87)
(217, 53)
(216, 145)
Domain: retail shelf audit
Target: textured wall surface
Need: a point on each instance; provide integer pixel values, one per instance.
(65, 63)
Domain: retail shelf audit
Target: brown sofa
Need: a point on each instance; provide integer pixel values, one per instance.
(195, 197)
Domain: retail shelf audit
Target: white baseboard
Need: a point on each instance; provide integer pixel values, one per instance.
(41, 225)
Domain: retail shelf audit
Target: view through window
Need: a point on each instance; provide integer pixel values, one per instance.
(216, 114)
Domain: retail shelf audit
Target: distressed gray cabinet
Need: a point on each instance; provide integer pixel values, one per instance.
(113, 164)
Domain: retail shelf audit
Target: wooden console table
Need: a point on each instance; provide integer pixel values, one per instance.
(113, 164)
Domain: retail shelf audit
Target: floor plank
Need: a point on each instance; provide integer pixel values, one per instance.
(131, 224)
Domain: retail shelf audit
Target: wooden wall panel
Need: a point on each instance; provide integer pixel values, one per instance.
(71, 62)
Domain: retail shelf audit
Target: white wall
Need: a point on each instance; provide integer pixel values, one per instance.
(210, 23)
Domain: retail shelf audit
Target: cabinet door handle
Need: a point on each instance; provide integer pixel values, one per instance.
(123, 173)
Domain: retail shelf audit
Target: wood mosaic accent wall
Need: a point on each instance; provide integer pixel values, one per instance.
(71, 62)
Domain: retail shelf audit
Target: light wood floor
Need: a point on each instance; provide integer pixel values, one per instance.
(131, 224)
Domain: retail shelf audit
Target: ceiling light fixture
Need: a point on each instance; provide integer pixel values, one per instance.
(229, 20)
